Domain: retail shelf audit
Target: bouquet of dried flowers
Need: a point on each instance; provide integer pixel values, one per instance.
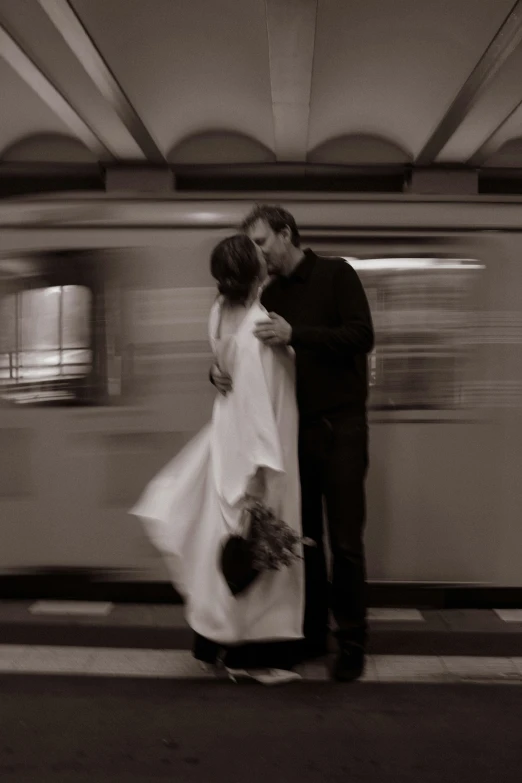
(273, 543)
(263, 543)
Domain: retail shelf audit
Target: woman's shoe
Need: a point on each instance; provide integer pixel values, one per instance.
(274, 676)
(235, 674)
(264, 676)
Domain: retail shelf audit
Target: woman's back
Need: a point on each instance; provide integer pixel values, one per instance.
(256, 423)
(225, 323)
(232, 340)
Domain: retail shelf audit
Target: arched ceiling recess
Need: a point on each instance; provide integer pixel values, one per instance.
(48, 148)
(359, 149)
(219, 147)
(508, 156)
(264, 82)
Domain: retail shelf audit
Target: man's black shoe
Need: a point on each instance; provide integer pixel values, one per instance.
(349, 664)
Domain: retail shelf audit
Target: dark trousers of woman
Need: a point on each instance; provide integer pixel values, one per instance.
(333, 462)
(254, 655)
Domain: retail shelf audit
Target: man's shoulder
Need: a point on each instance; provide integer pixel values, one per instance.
(331, 264)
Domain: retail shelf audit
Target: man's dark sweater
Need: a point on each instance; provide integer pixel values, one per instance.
(324, 302)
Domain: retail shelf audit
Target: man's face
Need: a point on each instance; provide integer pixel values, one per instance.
(274, 247)
(263, 270)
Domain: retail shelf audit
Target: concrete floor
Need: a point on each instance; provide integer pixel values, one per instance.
(61, 729)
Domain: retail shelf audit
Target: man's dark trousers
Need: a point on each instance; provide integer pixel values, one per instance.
(333, 462)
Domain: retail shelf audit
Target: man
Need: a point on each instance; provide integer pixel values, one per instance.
(318, 306)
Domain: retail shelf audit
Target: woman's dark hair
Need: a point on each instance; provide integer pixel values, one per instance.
(276, 217)
(235, 265)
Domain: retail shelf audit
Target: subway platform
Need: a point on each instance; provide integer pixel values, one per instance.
(144, 640)
(94, 692)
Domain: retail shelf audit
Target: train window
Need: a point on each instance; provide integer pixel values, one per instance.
(421, 309)
(45, 343)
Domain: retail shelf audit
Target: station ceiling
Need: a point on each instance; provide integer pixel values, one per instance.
(279, 84)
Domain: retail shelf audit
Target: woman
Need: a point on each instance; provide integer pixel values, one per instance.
(248, 451)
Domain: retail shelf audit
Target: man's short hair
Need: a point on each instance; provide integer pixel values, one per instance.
(276, 217)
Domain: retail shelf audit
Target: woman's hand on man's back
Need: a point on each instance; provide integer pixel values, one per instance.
(221, 380)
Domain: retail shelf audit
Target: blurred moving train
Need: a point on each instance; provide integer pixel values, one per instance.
(104, 373)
